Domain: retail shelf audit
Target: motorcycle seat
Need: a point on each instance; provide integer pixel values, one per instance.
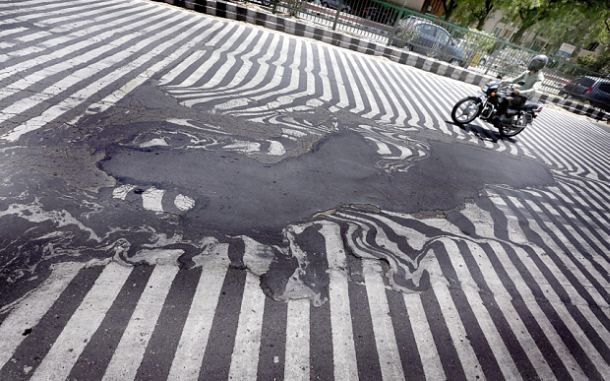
(529, 106)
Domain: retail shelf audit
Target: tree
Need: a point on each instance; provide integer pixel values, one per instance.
(469, 12)
(449, 6)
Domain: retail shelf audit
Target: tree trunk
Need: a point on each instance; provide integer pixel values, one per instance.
(449, 8)
(525, 25)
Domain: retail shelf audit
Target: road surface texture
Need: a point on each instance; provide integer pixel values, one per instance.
(185, 197)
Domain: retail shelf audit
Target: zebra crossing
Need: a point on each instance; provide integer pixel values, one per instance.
(518, 289)
(514, 285)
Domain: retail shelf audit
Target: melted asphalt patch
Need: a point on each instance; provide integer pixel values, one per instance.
(236, 194)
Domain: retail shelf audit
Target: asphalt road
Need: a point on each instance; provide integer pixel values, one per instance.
(186, 197)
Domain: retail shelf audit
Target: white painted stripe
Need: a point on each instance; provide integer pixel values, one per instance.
(426, 347)
(127, 88)
(244, 360)
(296, 364)
(531, 302)
(7, 32)
(189, 354)
(468, 359)
(497, 345)
(130, 351)
(504, 303)
(28, 312)
(137, 20)
(122, 191)
(82, 325)
(152, 199)
(82, 95)
(344, 353)
(385, 340)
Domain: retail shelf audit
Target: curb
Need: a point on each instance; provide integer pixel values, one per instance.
(291, 26)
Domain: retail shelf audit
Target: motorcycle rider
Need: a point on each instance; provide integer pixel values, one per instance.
(529, 81)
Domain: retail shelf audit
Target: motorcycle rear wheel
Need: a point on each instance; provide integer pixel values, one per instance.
(472, 106)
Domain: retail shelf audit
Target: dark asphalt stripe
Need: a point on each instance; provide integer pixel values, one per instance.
(431, 108)
(63, 23)
(576, 314)
(530, 322)
(518, 354)
(332, 78)
(320, 343)
(245, 33)
(549, 229)
(195, 65)
(94, 359)
(533, 327)
(158, 357)
(373, 81)
(340, 72)
(597, 247)
(407, 346)
(304, 84)
(271, 357)
(364, 337)
(586, 204)
(254, 59)
(270, 94)
(320, 331)
(480, 345)
(117, 22)
(402, 79)
(397, 93)
(217, 357)
(51, 80)
(65, 8)
(564, 332)
(440, 332)
(35, 346)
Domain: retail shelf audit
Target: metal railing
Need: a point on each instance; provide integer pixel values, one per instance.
(428, 35)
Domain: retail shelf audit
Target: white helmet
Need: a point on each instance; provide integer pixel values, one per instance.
(538, 62)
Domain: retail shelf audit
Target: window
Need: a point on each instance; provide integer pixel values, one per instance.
(605, 87)
(427, 30)
(586, 82)
(443, 37)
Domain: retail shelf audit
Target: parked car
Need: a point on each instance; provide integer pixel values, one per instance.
(592, 89)
(424, 37)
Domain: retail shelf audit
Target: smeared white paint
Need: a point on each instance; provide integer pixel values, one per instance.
(245, 147)
(257, 257)
(157, 256)
(276, 148)
(60, 218)
(157, 142)
(152, 199)
(122, 191)
(184, 203)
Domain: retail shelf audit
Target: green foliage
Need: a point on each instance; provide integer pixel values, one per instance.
(482, 41)
(599, 64)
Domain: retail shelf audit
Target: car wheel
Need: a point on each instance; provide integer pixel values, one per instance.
(455, 62)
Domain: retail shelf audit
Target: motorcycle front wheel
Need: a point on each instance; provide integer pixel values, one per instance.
(515, 129)
(466, 110)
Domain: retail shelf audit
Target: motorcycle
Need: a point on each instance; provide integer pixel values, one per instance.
(486, 105)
